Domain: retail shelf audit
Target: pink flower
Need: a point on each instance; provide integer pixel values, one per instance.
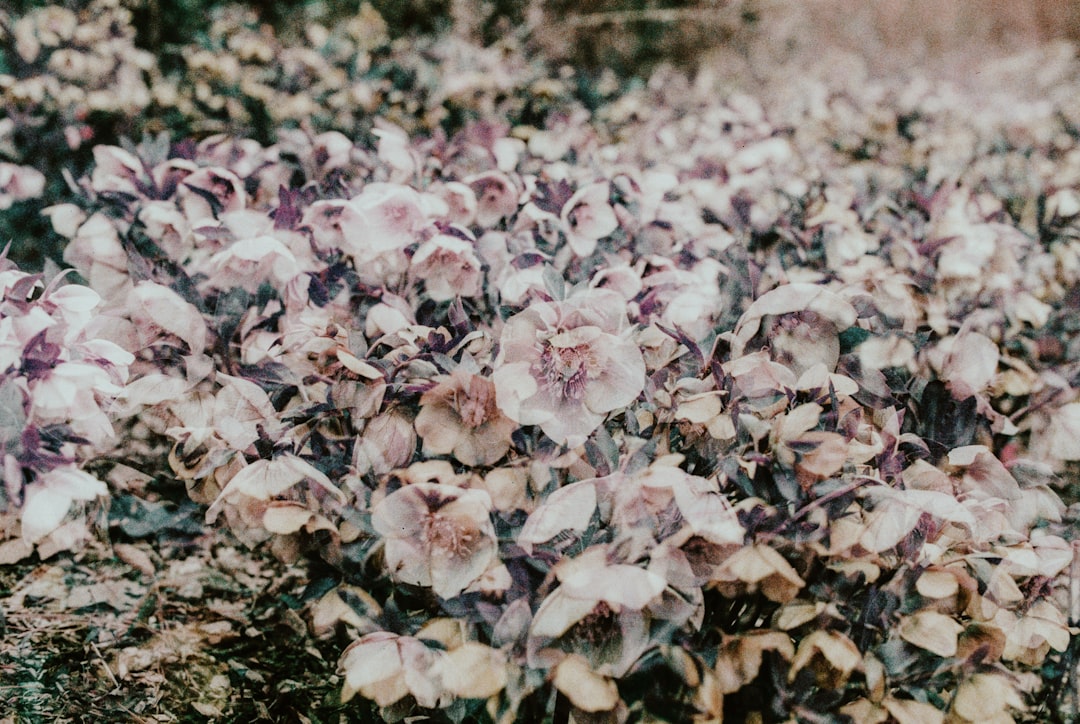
(250, 262)
(496, 197)
(168, 176)
(332, 150)
(449, 268)
(117, 171)
(18, 183)
(242, 155)
(687, 299)
(98, 254)
(168, 227)
(460, 201)
(588, 217)
(65, 218)
(157, 310)
(327, 221)
(388, 442)
(565, 365)
(459, 417)
(393, 150)
(373, 227)
(437, 535)
(393, 213)
(209, 192)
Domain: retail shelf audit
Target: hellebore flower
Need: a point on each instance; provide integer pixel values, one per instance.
(459, 417)
(565, 365)
(437, 535)
(600, 611)
(496, 198)
(18, 183)
(588, 217)
(449, 267)
(386, 667)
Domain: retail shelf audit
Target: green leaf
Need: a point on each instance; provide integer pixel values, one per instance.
(12, 412)
(554, 283)
(852, 337)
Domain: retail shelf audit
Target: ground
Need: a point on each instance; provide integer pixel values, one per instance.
(175, 625)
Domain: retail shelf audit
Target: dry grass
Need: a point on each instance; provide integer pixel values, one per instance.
(215, 635)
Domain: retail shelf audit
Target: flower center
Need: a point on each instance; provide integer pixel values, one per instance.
(596, 630)
(450, 261)
(439, 532)
(472, 413)
(567, 369)
(580, 216)
(475, 405)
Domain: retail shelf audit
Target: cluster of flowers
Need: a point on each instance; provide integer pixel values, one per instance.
(62, 67)
(76, 74)
(339, 77)
(690, 408)
(670, 428)
(72, 79)
(57, 379)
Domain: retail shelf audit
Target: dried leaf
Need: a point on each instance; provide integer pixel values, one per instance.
(135, 557)
(832, 654)
(983, 697)
(933, 631)
(984, 474)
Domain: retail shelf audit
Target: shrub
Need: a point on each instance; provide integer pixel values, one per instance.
(640, 406)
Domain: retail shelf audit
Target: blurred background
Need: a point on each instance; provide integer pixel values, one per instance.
(632, 35)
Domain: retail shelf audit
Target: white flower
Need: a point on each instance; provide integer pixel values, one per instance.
(437, 535)
(449, 268)
(18, 183)
(588, 217)
(386, 667)
(49, 498)
(565, 365)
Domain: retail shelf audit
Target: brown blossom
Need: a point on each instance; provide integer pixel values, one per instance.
(459, 417)
(436, 535)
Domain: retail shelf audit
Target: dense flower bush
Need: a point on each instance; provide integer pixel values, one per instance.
(59, 378)
(685, 410)
(70, 80)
